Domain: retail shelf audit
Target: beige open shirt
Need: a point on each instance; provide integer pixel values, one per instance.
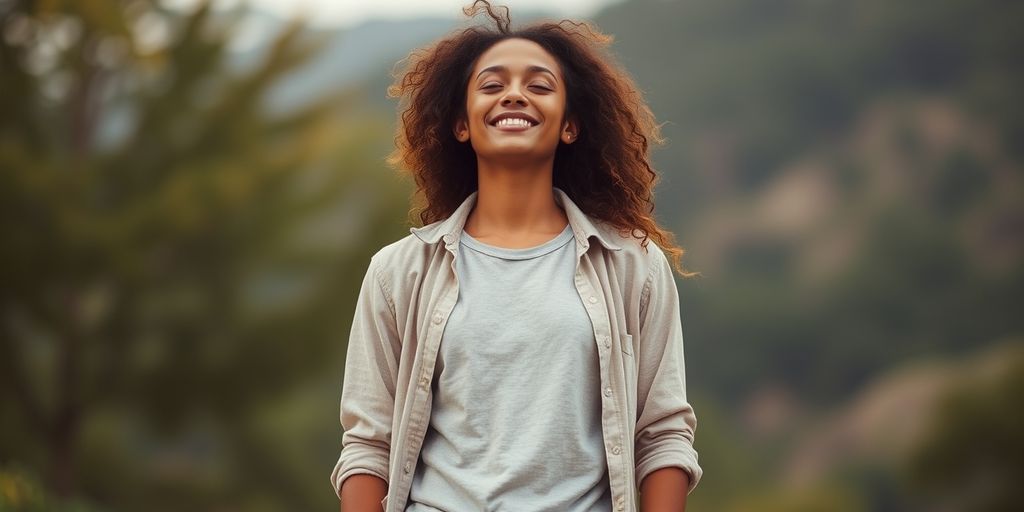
(410, 289)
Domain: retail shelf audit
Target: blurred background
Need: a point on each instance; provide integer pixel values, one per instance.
(190, 194)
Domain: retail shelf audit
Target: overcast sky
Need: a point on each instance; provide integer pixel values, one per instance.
(342, 13)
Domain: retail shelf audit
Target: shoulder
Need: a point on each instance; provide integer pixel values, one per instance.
(403, 253)
(646, 255)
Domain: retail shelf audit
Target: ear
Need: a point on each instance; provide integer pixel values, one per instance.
(461, 129)
(570, 131)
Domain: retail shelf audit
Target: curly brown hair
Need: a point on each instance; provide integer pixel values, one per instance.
(607, 171)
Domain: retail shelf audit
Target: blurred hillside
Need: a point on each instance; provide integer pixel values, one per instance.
(847, 176)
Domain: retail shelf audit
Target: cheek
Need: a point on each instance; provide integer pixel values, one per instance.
(556, 114)
(476, 110)
(555, 107)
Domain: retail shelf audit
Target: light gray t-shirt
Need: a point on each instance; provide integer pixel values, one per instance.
(515, 423)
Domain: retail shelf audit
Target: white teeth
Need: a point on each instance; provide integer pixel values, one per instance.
(513, 122)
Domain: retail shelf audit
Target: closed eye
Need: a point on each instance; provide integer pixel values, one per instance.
(492, 86)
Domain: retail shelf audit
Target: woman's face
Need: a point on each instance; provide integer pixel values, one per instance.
(515, 104)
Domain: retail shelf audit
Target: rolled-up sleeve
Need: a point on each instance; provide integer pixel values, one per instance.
(368, 390)
(665, 422)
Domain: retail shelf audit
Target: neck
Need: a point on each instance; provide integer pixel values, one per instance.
(515, 200)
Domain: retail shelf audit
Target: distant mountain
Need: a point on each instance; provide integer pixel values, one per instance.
(357, 57)
(364, 53)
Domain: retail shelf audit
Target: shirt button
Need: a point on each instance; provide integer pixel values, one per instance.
(607, 342)
(616, 450)
(592, 299)
(437, 318)
(621, 503)
(408, 466)
(424, 382)
(607, 391)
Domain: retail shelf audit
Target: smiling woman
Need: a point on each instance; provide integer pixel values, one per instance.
(606, 169)
(515, 108)
(523, 349)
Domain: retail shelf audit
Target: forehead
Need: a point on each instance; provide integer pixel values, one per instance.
(517, 55)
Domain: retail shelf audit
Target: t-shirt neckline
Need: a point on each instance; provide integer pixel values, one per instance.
(524, 253)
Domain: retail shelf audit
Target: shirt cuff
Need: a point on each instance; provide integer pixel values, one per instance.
(358, 459)
(679, 455)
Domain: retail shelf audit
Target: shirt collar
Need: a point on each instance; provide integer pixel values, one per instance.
(450, 229)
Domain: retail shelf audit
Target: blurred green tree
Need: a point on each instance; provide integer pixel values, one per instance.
(176, 250)
(973, 457)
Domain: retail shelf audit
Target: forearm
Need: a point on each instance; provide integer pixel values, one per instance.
(363, 493)
(664, 490)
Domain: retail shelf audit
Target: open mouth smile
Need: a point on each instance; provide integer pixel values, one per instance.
(513, 121)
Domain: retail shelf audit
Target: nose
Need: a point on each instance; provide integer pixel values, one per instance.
(511, 96)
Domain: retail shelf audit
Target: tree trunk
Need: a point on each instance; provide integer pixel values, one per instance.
(66, 424)
(63, 444)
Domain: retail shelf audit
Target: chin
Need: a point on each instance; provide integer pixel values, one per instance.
(510, 149)
(517, 153)
(507, 148)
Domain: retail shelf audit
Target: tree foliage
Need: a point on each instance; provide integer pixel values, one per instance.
(973, 457)
(163, 275)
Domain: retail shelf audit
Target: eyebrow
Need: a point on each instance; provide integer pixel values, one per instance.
(529, 69)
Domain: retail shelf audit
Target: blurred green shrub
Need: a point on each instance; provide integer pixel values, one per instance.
(973, 458)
